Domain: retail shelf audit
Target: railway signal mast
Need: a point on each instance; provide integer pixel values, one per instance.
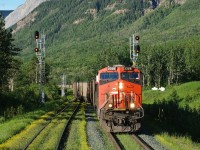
(40, 53)
(134, 49)
(63, 85)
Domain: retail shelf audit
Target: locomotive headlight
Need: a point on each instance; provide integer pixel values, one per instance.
(120, 85)
(132, 105)
(110, 105)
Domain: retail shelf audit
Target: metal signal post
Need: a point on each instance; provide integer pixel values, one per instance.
(40, 53)
(63, 85)
(134, 48)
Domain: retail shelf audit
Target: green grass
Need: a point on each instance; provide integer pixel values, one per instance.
(23, 137)
(20, 127)
(167, 134)
(188, 92)
(77, 138)
(128, 142)
(177, 142)
(15, 125)
(49, 137)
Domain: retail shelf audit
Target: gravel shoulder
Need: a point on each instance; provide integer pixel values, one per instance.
(97, 139)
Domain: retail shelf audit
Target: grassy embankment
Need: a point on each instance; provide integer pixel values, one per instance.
(177, 110)
(16, 131)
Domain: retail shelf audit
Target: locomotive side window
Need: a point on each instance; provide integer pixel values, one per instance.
(134, 75)
(109, 76)
(131, 77)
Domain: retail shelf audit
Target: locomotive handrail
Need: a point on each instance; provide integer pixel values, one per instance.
(103, 105)
(142, 111)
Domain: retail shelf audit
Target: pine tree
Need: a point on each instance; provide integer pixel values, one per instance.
(7, 51)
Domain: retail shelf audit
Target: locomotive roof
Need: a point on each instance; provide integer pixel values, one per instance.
(116, 67)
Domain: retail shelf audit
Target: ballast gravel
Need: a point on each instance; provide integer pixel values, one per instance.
(148, 138)
(94, 136)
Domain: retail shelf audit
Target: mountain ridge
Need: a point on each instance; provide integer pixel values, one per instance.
(21, 12)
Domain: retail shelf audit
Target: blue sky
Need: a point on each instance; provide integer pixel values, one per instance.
(10, 4)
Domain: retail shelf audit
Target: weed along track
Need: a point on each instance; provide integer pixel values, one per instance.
(50, 136)
(115, 141)
(46, 132)
(62, 138)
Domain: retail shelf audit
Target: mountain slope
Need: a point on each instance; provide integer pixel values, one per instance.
(21, 12)
(83, 36)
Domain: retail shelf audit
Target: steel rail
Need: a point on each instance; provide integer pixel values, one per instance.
(36, 135)
(60, 142)
(141, 142)
(114, 140)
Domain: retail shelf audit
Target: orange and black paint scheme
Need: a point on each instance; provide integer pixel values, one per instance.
(119, 98)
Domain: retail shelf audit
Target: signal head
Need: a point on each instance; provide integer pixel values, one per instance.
(36, 35)
(137, 38)
(36, 49)
(137, 49)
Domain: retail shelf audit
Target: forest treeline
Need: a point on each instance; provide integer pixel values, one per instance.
(19, 90)
(171, 63)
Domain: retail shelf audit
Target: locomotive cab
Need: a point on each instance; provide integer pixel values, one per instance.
(120, 98)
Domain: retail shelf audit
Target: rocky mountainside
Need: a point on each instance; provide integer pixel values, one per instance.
(21, 12)
(25, 9)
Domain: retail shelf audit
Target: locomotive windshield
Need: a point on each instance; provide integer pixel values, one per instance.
(131, 77)
(109, 76)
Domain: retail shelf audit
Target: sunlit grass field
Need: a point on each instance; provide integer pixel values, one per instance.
(189, 93)
(177, 142)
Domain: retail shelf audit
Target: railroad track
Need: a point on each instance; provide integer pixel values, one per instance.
(141, 142)
(60, 141)
(115, 141)
(118, 146)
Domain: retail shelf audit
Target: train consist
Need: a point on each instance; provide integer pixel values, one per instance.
(117, 96)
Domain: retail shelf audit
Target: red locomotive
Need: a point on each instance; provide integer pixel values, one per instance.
(119, 98)
(117, 94)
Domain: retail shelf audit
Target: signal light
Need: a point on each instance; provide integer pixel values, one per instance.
(36, 49)
(137, 37)
(36, 35)
(137, 49)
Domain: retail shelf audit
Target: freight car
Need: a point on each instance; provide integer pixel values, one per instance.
(80, 90)
(117, 97)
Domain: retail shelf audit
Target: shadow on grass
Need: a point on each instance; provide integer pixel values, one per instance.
(167, 116)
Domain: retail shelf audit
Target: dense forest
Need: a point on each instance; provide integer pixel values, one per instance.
(84, 36)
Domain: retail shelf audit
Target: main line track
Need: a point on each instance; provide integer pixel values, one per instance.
(141, 142)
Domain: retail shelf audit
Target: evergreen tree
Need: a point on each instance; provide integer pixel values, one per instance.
(7, 51)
